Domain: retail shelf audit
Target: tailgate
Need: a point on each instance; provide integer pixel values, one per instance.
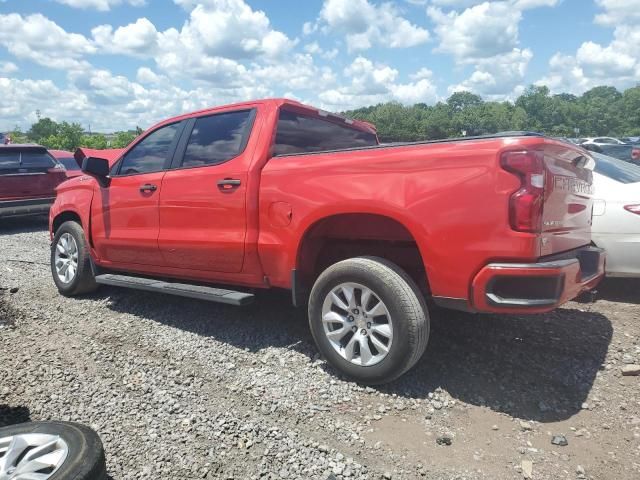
(568, 202)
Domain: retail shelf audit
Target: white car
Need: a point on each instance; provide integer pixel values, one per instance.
(616, 214)
(601, 141)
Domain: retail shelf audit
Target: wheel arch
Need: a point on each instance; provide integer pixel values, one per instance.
(65, 216)
(338, 236)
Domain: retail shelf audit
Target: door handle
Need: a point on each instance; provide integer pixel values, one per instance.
(228, 184)
(148, 187)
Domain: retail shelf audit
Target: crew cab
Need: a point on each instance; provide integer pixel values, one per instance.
(29, 176)
(276, 194)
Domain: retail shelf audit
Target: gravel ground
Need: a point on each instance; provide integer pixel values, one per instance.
(182, 389)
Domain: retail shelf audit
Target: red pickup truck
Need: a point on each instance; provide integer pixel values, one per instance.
(276, 194)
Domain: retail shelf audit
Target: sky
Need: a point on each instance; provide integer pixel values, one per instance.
(116, 64)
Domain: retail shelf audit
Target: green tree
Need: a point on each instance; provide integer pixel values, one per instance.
(97, 141)
(43, 128)
(122, 139)
(71, 134)
(461, 101)
(630, 111)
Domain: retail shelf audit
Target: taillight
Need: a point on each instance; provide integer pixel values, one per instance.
(635, 153)
(633, 209)
(525, 205)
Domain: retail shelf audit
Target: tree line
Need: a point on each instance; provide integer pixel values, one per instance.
(597, 112)
(69, 136)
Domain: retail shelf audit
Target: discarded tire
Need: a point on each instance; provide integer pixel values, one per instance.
(51, 451)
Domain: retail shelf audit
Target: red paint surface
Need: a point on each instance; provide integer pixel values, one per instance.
(452, 197)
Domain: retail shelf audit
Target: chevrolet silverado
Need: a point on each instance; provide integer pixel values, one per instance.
(276, 194)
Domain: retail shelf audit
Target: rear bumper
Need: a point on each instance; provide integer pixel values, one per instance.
(31, 206)
(537, 287)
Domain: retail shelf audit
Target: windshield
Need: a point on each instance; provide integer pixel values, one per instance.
(69, 163)
(618, 170)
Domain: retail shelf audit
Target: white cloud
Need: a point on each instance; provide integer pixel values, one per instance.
(519, 4)
(42, 41)
(139, 38)
(103, 5)
(108, 102)
(422, 74)
(8, 68)
(146, 76)
(366, 25)
(309, 27)
(21, 99)
(594, 64)
(481, 31)
(618, 12)
(312, 48)
(231, 29)
(486, 35)
(375, 83)
(499, 77)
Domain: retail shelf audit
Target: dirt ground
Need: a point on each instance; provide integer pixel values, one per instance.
(186, 389)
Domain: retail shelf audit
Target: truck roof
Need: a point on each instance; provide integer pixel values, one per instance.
(275, 102)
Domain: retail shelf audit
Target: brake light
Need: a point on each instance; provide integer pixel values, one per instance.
(635, 153)
(633, 209)
(525, 205)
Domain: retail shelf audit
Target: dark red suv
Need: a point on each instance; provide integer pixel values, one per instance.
(29, 176)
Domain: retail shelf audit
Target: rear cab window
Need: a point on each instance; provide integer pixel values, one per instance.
(618, 170)
(305, 133)
(69, 163)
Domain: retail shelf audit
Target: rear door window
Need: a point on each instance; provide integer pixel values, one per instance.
(297, 133)
(218, 138)
(151, 153)
(9, 161)
(618, 170)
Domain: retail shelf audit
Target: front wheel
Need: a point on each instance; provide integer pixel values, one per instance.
(70, 261)
(369, 319)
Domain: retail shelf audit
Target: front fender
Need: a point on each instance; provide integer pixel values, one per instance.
(73, 196)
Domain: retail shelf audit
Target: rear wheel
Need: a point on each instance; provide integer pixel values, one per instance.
(369, 319)
(70, 261)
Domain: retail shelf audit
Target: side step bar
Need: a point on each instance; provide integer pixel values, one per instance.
(180, 289)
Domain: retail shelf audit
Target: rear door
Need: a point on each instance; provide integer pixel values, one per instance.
(28, 173)
(203, 220)
(124, 215)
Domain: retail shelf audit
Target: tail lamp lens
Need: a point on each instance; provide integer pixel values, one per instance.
(525, 205)
(633, 209)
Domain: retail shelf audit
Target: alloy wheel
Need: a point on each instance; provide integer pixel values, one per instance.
(357, 324)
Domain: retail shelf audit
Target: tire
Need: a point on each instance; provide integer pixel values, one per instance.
(406, 315)
(83, 280)
(84, 459)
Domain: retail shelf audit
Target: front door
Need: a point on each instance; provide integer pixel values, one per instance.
(124, 219)
(203, 219)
